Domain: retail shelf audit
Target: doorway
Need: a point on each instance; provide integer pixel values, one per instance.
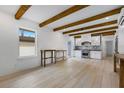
(69, 49)
(109, 48)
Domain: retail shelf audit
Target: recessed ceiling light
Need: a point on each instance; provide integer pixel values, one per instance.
(107, 18)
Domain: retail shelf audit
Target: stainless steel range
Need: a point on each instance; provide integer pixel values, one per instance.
(85, 53)
(86, 46)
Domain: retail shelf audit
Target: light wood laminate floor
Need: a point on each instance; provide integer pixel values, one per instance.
(84, 73)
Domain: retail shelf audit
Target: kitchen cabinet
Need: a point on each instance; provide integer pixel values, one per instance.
(95, 40)
(77, 54)
(96, 54)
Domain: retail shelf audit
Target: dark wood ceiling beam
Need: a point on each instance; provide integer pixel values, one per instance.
(104, 33)
(92, 31)
(108, 33)
(96, 17)
(63, 14)
(77, 36)
(91, 27)
(21, 11)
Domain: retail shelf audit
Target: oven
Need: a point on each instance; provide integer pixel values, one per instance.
(85, 53)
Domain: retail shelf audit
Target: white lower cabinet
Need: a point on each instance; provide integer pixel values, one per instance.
(77, 53)
(96, 54)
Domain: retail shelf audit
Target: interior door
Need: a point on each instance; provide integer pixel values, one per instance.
(109, 48)
(69, 48)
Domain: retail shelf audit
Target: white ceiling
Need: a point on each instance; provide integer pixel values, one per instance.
(40, 13)
(84, 13)
(95, 29)
(114, 17)
(10, 9)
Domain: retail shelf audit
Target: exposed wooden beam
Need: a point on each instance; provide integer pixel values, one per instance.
(92, 31)
(96, 17)
(63, 14)
(104, 33)
(92, 26)
(108, 33)
(21, 11)
(77, 36)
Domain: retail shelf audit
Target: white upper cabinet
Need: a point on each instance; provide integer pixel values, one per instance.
(95, 40)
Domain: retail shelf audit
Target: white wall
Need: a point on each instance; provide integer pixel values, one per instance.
(121, 40)
(9, 43)
(47, 39)
(26, 62)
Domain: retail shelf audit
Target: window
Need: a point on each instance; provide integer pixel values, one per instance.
(27, 46)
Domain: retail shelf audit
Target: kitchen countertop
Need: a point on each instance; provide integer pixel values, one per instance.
(95, 50)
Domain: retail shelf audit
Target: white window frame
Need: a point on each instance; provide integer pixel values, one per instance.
(30, 56)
